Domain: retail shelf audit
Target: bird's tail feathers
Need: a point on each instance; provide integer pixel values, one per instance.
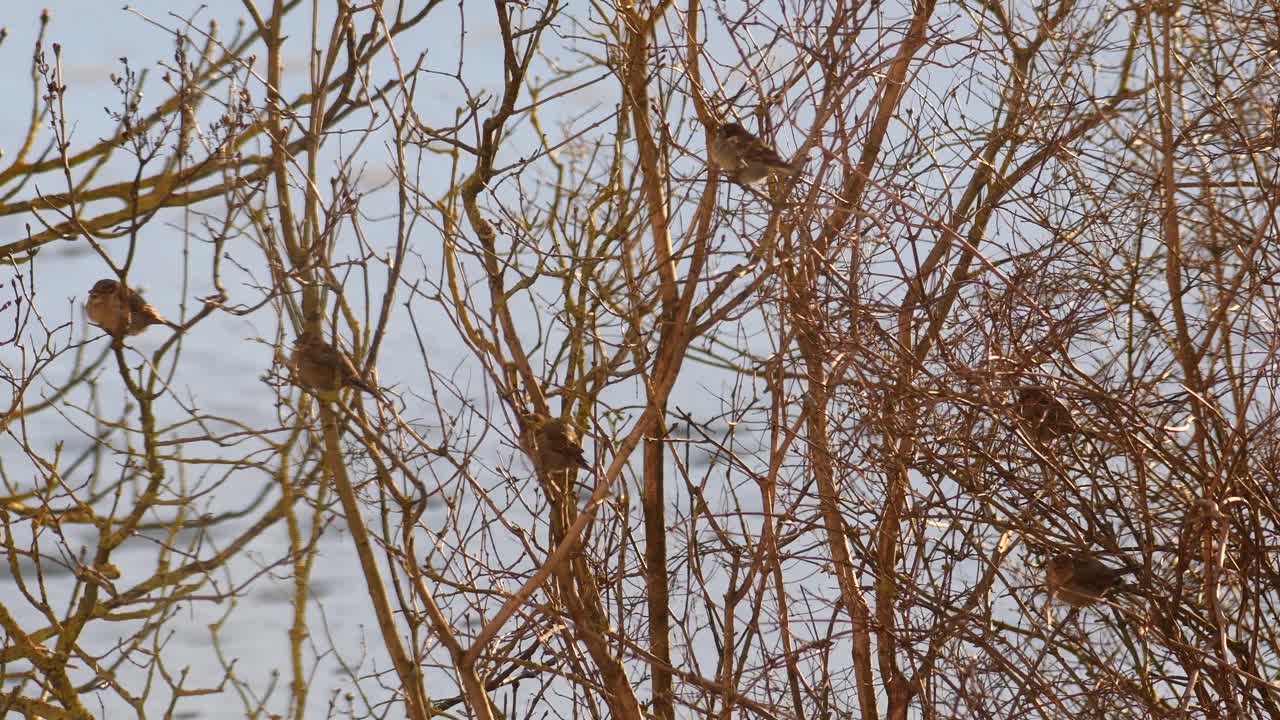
(1125, 587)
(786, 168)
(1121, 586)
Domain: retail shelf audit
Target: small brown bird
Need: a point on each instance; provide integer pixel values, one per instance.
(744, 156)
(1080, 580)
(553, 444)
(120, 311)
(1047, 416)
(322, 367)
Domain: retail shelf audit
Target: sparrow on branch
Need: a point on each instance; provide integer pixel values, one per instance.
(119, 310)
(1047, 416)
(746, 158)
(1080, 580)
(553, 444)
(323, 368)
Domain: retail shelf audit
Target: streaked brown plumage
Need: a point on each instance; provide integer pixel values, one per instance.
(744, 156)
(1081, 580)
(1047, 416)
(553, 444)
(119, 311)
(322, 367)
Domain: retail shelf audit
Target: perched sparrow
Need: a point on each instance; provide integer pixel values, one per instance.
(553, 444)
(323, 368)
(120, 311)
(1048, 417)
(744, 156)
(1080, 580)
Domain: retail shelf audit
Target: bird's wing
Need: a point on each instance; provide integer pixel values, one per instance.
(567, 444)
(141, 308)
(758, 151)
(350, 374)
